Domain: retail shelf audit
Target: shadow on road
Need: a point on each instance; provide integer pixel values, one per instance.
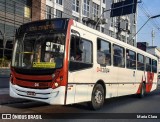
(117, 101)
(27, 104)
(110, 105)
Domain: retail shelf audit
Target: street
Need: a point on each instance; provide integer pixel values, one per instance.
(121, 105)
(4, 82)
(127, 104)
(4, 78)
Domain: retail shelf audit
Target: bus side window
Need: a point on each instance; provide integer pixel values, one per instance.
(131, 59)
(148, 64)
(103, 52)
(140, 62)
(154, 66)
(118, 56)
(75, 51)
(81, 54)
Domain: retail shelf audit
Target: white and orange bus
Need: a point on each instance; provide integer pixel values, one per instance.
(61, 61)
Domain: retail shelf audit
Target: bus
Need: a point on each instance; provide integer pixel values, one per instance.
(60, 61)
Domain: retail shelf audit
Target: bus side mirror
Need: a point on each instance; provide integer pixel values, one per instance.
(101, 58)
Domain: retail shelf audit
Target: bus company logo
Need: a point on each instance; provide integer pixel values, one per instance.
(103, 69)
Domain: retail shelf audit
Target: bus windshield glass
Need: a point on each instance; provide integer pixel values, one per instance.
(43, 51)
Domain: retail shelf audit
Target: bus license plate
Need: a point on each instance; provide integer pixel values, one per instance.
(29, 93)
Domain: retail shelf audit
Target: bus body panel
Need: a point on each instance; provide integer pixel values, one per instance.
(53, 95)
(155, 82)
(78, 85)
(123, 81)
(151, 80)
(124, 84)
(80, 82)
(110, 79)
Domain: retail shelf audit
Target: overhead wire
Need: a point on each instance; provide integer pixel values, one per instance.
(148, 15)
(146, 7)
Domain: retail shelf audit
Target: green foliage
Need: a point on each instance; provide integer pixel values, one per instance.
(4, 62)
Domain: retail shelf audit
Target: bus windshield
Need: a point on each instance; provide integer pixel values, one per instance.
(43, 51)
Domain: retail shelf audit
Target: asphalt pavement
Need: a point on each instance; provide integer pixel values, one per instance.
(4, 77)
(4, 88)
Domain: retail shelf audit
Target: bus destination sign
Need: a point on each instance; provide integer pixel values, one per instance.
(43, 26)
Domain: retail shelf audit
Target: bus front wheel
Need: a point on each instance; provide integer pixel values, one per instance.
(97, 98)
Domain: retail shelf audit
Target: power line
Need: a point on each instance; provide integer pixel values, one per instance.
(150, 13)
(147, 14)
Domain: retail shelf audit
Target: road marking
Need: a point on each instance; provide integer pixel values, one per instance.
(4, 91)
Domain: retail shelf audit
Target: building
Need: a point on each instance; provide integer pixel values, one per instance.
(13, 13)
(154, 51)
(89, 11)
(81, 10)
(122, 27)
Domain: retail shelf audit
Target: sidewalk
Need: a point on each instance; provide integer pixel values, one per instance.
(6, 99)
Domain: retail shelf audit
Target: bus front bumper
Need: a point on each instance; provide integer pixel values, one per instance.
(50, 96)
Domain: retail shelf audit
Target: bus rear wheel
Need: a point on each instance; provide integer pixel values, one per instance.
(97, 98)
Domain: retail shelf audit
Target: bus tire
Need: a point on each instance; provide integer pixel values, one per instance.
(143, 91)
(97, 98)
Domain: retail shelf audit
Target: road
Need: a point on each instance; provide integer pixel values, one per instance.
(4, 78)
(4, 82)
(116, 107)
(124, 106)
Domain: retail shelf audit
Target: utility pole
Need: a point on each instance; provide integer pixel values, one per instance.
(153, 36)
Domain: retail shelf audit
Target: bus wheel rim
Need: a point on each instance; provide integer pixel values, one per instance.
(98, 96)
